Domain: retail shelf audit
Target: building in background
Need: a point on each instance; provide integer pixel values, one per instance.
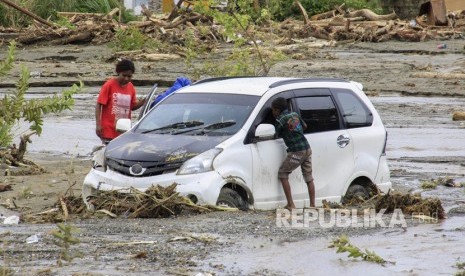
(136, 5)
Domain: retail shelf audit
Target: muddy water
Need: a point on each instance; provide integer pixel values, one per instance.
(73, 131)
(424, 249)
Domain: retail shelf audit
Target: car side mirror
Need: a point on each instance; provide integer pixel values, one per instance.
(123, 125)
(265, 132)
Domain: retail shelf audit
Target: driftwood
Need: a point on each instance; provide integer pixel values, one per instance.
(302, 10)
(71, 14)
(458, 116)
(75, 38)
(14, 156)
(146, 11)
(157, 57)
(337, 10)
(24, 140)
(436, 75)
(370, 15)
(175, 10)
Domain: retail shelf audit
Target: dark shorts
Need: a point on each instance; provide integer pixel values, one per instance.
(293, 161)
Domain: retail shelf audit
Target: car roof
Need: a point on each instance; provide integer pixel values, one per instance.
(246, 85)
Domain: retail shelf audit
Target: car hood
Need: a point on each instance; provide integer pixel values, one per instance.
(158, 147)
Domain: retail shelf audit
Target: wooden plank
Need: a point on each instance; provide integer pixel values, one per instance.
(71, 14)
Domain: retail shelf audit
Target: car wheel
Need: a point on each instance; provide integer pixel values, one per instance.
(232, 199)
(357, 191)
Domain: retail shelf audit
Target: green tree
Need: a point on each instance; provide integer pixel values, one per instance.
(14, 108)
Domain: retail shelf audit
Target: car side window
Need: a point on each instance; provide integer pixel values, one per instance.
(354, 111)
(318, 112)
(265, 116)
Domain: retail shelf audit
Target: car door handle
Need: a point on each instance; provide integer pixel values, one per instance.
(343, 141)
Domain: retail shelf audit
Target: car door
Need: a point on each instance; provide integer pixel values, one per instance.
(267, 157)
(368, 138)
(147, 105)
(332, 146)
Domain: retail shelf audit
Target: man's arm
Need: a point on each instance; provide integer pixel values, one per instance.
(98, 117)
(304, 125)
(139, 102)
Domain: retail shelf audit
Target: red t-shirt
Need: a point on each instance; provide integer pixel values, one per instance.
(117, 102)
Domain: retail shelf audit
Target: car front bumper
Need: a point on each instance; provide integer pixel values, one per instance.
(204, 186)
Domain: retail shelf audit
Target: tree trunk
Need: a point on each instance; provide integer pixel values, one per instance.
(26, 138)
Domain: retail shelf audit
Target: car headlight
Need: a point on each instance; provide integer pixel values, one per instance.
(200, 163)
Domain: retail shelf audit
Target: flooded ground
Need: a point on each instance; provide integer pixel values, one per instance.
(419, 250)
(424, 143)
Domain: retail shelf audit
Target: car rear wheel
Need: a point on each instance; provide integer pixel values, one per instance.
(232, 199)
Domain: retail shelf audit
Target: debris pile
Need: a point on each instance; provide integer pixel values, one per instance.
(176, 28)
(155, 202)
(365, 25)
(410, 204)
(66, 208)
(89, 28)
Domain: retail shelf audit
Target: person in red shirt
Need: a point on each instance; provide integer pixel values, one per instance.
(116, 100)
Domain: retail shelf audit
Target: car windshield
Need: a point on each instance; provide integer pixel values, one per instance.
(198, 114)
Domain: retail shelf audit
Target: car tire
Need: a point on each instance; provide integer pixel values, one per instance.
(232, 199)
(357, 190)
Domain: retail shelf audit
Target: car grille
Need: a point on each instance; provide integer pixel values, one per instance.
(150, 168)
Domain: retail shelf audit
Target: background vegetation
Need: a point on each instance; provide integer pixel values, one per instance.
(14, 107)
(270, 9)
(48, 9)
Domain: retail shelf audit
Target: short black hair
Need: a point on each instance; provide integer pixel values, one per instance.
(279, 103)
(125, 65)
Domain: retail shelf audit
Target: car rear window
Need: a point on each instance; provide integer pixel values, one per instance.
(319, 113)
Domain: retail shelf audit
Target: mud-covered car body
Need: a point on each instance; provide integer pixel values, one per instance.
(216, 140)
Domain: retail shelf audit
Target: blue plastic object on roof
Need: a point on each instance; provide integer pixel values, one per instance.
(178, 83)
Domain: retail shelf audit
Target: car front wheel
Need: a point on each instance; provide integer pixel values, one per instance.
(357, 191)
(232, 199)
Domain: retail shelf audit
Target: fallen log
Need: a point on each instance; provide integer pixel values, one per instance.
(71, 14)
(458, 116)
(157, 57)
(302, 10)
(372, 16)
(324, 15)
(332, 13)
(85, 36)
(146, 11)
(436, 75)
(113, 12)
(385, 29)
(140, 24)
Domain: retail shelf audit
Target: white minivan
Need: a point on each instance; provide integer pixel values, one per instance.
(216, 140)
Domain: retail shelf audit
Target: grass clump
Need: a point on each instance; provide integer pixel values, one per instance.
(132, 39)
(343, 244)
(64, 238)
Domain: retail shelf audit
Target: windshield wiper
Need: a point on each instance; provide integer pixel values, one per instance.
(208, 128)
(178, 125)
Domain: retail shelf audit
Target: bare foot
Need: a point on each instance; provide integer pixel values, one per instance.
(289, 207)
